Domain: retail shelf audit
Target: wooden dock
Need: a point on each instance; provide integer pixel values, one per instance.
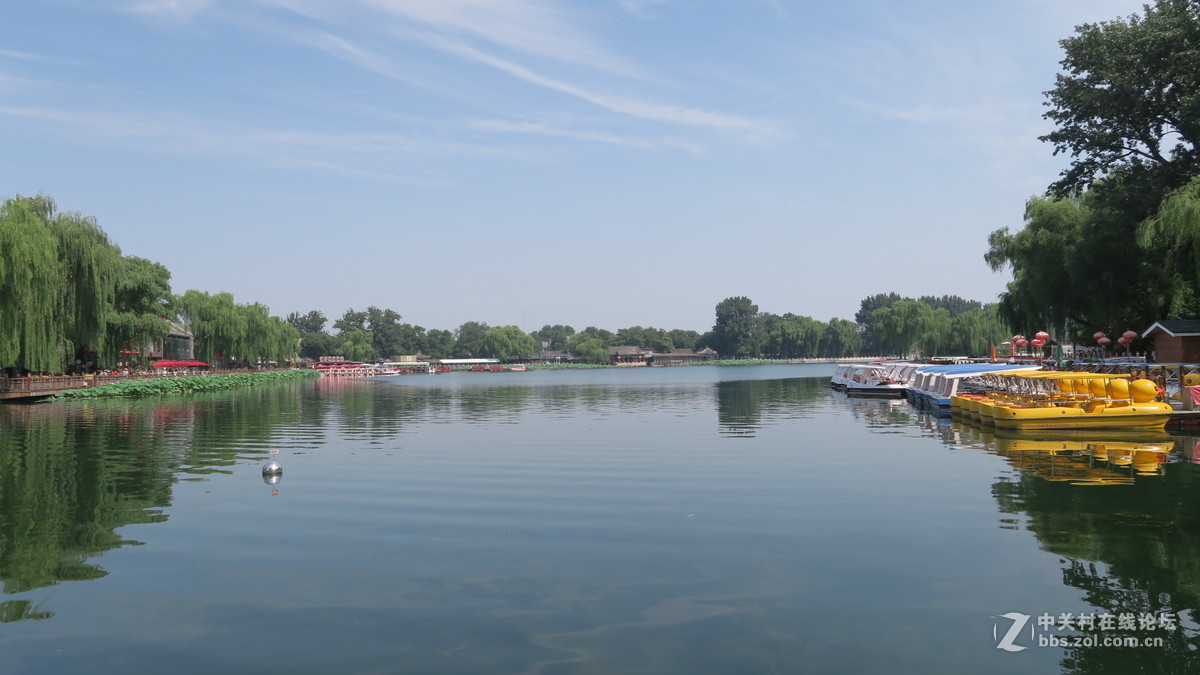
(1184, 419)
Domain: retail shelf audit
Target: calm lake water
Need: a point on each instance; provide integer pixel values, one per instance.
(668, 520)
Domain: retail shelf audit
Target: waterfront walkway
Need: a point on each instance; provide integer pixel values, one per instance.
(41, 386)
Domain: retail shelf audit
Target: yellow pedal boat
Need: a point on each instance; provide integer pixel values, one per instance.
(1070, 400)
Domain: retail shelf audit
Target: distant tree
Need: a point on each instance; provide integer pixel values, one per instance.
(607, 337)
(871, 303)
(863, 316)
(634, 335)
(556, 335)
(591, 350)
(974, 333)
(951, 303)
(791, 336)
(439, 344)
(660, 341)
(469, 339)
(842, 338)
(736, 327)
(356, 345)
(316, 345)
(683, 339)
(507, 343)
(900, 327)
(351, 321)
(388, 336)
(306, 324)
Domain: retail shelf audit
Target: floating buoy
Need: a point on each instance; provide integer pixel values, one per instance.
(272, 468)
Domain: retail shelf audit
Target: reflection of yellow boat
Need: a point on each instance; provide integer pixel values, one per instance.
(1082, 462)
(1067, 400)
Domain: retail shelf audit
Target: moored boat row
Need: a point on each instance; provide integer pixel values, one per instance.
(1045, 400)
(1015, 396)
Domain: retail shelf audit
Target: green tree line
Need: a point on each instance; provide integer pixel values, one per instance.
(68, 295)
(885, 325)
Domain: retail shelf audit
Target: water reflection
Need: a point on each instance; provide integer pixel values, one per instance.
(505, 524)
(1121, 509)
(71, 474)
(1131, 551)
(1080, 458)
(745, 406)
(74, 473)
(882, 415)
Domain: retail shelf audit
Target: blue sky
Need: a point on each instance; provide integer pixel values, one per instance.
(608, 162)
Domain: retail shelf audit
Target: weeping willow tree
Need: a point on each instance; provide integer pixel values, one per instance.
(141, 303)
(229, 332)
(89, 265)
(268, 338)
(30, 288)
(216, 324)
(1176, 227)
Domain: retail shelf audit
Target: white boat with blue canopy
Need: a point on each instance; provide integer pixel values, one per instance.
(932, 386)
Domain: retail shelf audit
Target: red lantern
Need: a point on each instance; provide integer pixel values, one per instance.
(1022, 342)
(1104, 341)
(1129, 336)
(1122, 341)
(1037, 343)
(1097, 335)
(1042, 335)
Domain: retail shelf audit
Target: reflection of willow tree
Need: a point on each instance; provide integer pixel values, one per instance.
(64, 488)
(742, 405)
(1131, 550)
(71, 474)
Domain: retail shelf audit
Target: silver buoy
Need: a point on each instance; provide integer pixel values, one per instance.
(272, 468)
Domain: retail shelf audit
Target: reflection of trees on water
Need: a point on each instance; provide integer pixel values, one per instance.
(72, 473)
(743, 406)
(1129, 549)
(22, 610)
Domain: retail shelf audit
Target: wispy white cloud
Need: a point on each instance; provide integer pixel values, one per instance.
(355, 154)
(648, 110)
(521, 26)
(518, 26)
(176, 10)
(542, 129)
(643, 9)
